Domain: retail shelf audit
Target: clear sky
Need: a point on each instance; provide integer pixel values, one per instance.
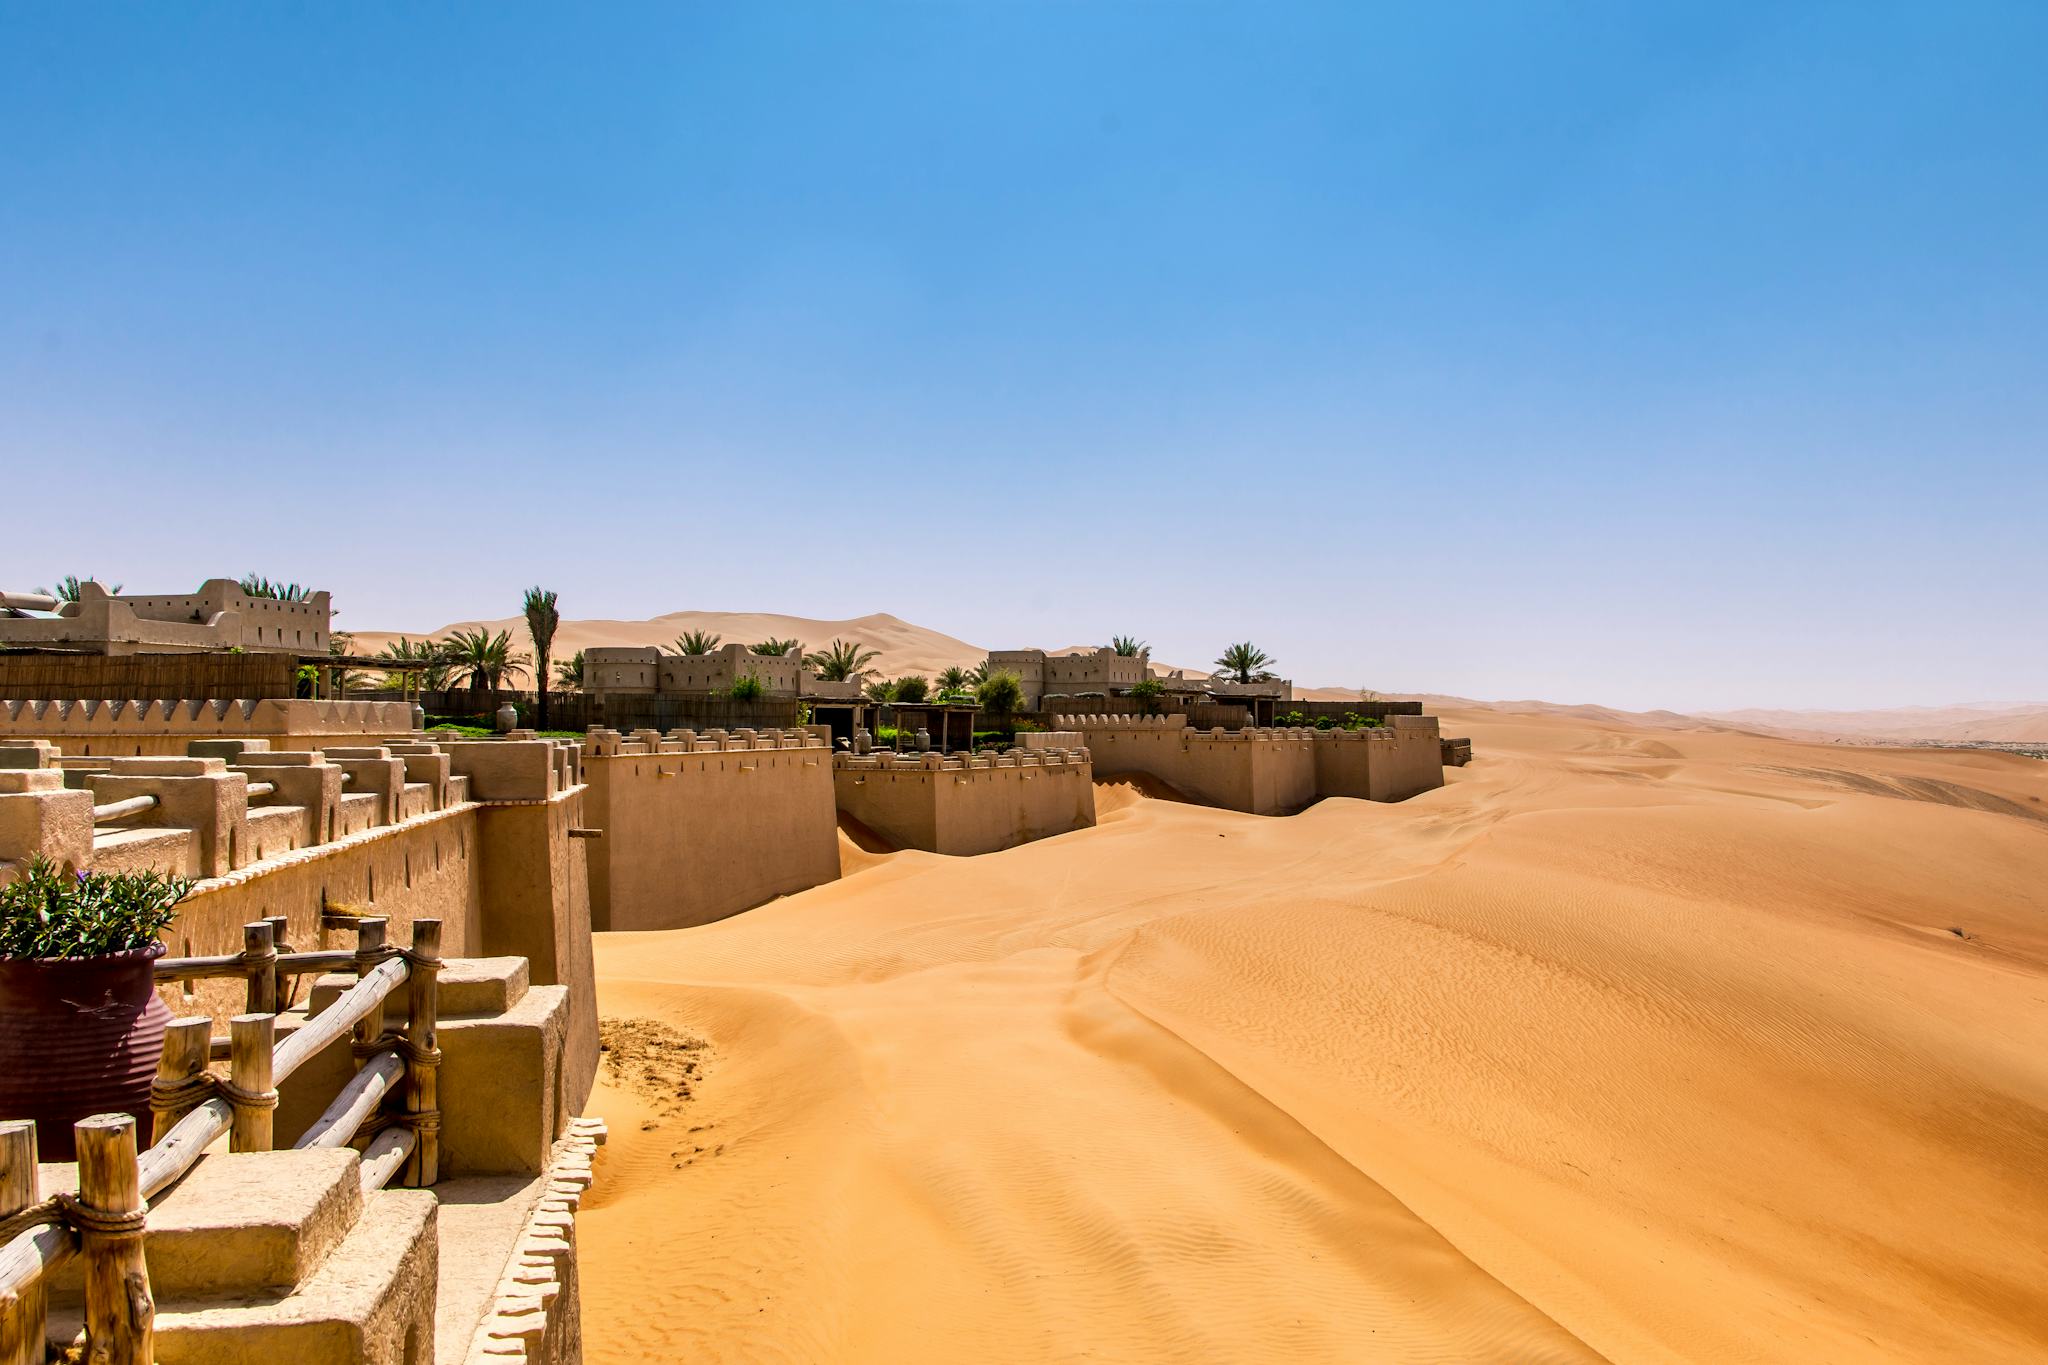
(1656, 355)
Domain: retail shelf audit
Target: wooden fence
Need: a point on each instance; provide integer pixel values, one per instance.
(190, 1106)
(28, 675)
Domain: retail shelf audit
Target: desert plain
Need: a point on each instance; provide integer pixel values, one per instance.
(1637, 1041)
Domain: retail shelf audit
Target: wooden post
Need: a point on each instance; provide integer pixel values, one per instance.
(252, 1039)
(120, 1314)
(369, 955)
(423, 1059)
(259, 955)
(22, 1322)
(187, 1046)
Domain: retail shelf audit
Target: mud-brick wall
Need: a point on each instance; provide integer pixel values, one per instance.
(424, 868)
(968, 810)
(697, 836)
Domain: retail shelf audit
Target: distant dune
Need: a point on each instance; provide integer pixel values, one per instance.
(1982, 721)
(904, 648)
(1640, 1041)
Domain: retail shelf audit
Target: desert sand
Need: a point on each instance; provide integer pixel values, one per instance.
(1643, 1044)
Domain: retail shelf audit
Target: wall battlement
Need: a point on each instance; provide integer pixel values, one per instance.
(164, 726)
(702, 825)
(964, 804)
(1269, 771)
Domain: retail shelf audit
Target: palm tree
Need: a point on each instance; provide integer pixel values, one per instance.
(778, 648)
(881, 689)
(569, 676)
(840, 660)
(253, 585)
(954, 679)
(67, 587)
(486, 659)
(542, 620)
(434, 676)
(978, 674)
(695, 642)
(1128, 646)
(1244, 661)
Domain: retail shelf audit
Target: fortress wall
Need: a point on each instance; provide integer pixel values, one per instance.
(1385, 763)
(697, 828)
(89, 728)
(962, 806)
(1265, 772)
(1269, 771)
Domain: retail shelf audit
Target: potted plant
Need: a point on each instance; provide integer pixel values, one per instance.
(81, 1026)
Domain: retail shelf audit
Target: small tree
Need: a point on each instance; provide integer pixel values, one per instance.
(748, 687)
(881, 690)
(1128, 646)
(912, 688)
(1244, 662)
(542, 619)
(1147, 693)
(1000, 695)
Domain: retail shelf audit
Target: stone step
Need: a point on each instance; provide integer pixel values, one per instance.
(469, 987)
(372, 1302)
(246, 1223)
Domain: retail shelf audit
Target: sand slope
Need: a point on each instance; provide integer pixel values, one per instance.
(1632, 1043)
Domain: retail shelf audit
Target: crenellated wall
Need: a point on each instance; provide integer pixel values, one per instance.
(699, 826)
(87, 728)
(481, 835)
(963, 805)
(1269, 771)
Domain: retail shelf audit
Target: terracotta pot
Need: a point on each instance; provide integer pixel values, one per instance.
(79, 1036)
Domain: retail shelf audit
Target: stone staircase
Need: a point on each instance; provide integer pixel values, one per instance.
(261, 1257)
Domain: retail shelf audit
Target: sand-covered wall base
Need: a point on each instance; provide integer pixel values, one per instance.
(1270, 771)
(965, 807)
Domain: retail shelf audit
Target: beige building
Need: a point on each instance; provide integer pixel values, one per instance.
(1104, 671)
(651, 672)
(1093, 670)
(218, 617)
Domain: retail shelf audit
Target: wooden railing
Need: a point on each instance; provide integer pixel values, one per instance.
(191, 1107)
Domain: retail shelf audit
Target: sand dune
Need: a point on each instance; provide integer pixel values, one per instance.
(2023, 723)
(902, 647)
(1633, 1043)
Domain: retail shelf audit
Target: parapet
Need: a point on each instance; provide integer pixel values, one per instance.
(882, 761)
(268, 717)
(604, 743)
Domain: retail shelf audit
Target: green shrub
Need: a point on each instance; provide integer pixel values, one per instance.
(1146, 693)
(48, 912)
(748, 688)
(1000, 694)
(911, 689)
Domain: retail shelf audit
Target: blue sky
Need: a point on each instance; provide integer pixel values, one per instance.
(1688, 356)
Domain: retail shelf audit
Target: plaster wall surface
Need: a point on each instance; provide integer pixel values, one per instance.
(967, 808)
(694, 834)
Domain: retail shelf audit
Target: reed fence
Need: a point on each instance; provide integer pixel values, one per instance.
(191, 1107)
